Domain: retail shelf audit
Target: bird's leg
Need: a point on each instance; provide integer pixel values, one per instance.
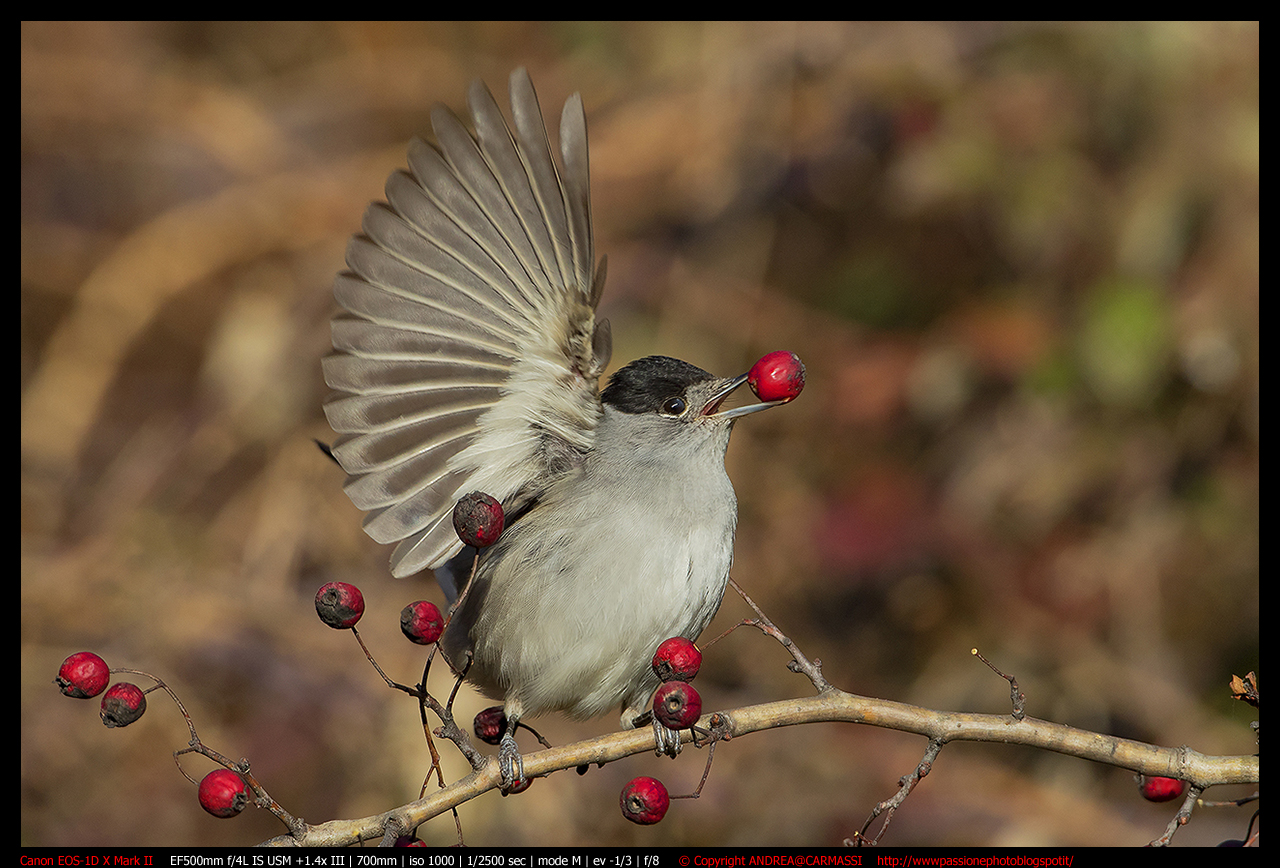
(510, 762)
(668, 740)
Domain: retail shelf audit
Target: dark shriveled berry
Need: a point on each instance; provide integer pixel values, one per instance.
(490, 724)
(478, 519)
(122, 704)
(339, 605)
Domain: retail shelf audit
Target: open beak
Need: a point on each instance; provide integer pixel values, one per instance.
(717, 399)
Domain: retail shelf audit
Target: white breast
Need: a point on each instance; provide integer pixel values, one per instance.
(571, 603)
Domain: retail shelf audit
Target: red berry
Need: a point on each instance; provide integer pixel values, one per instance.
(644, 801)
(490, 725)
(518, 787)
(122, 704)
(1158, 789)
(410, 841)
(778, 376)
(339, 605)
(677, 659)
(478, 519)
(223, 793)
(421, 622)
(677, 705)
(83, 675)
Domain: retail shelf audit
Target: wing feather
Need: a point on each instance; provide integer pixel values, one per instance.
(467, 353)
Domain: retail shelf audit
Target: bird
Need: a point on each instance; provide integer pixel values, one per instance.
(467, 356)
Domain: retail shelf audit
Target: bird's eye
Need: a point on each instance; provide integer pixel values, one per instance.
(673, 407)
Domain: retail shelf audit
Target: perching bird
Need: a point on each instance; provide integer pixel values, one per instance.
(467, 358)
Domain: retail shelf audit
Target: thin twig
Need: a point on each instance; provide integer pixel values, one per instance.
(906, 784)
(800, 663)
(1016, 696)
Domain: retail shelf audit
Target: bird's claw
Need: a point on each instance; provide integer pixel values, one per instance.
(668, 740)
(510, 762)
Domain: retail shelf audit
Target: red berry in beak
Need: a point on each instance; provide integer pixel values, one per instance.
(778, 376)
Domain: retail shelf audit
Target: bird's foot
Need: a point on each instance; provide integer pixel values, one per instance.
(668, 740)
(510, 762)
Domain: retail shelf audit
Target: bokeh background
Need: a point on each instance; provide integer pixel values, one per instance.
(1019, 260)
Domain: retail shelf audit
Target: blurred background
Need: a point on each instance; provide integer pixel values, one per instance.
(1019, 260)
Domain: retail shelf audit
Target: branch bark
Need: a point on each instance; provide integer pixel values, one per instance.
(1200, 770)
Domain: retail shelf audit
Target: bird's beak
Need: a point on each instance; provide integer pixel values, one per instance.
(713, 405)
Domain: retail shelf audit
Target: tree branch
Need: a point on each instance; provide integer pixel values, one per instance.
(1199, 770)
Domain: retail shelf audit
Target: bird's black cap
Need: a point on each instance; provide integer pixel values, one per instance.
(644, 384)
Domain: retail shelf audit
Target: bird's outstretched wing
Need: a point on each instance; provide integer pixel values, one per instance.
(468, 354)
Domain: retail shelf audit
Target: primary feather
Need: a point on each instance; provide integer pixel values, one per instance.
(468, 354)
